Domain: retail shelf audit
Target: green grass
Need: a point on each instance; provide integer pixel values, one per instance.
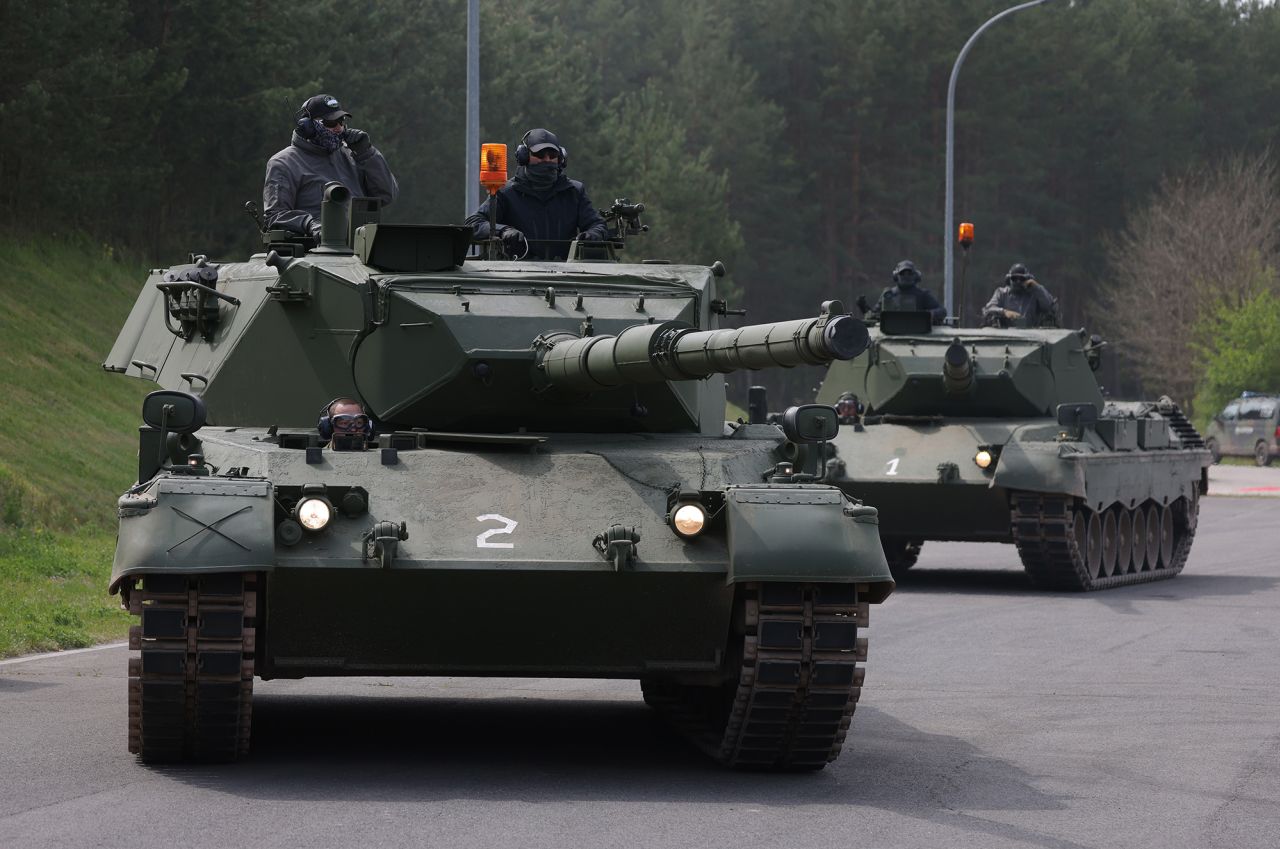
(53, 591)
(68, 444)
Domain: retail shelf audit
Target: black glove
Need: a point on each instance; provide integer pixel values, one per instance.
(862, 304)
(588, 236)
(514, 242)
(357, 140)
(314, 229)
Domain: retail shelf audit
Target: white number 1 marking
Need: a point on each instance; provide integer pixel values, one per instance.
(893, 466)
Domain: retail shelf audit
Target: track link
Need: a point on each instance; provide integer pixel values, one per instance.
(191, 685)
(901, 553)
(797, 686)
(1055, 536)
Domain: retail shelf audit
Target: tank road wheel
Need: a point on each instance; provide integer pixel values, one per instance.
(901, 553)
(795, 650)
(1138, 518)
(1124, 539)
(1261, 454)
(1153, 536)
(191, 685)
(1215, 451)
(1110, 545)
(1066, 546)
(1166, 537)
(1093, 549)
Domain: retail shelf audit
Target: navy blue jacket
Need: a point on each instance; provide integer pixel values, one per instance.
(548, 224)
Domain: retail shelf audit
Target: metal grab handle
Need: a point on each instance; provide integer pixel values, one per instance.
(183, 284)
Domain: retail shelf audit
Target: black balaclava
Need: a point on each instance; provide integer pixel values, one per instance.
(539, 178)
(321, 136)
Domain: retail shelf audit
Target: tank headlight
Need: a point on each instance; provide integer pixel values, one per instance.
(689, 520)
(983, 458)
(313, 513)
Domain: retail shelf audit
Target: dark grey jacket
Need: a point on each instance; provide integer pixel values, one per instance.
(549, 224)
(296, 177)
(1034, 303)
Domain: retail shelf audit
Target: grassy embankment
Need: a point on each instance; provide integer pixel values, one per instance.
(67, 440)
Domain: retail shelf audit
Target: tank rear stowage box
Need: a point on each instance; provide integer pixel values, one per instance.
(1003, 436)
(550, 490)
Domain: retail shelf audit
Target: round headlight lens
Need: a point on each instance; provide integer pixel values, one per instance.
(689, 520)
(314, 513)
(983, 458)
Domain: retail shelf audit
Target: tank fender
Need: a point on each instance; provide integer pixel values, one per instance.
(1040, 467)
(805, 533)
(195, 525)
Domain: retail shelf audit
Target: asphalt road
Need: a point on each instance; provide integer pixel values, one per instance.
(993, 716)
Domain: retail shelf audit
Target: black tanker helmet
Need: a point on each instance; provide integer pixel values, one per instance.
(905, 273)
(1018, 275)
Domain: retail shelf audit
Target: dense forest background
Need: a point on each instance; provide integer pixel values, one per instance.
(800, 141)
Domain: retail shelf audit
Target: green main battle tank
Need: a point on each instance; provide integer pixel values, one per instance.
(1002, 435)
(550, 489)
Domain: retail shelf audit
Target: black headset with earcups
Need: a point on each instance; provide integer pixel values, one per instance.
(325, 425)
(305, 126)
(522, 152)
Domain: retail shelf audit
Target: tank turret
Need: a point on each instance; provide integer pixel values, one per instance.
(397, 316)
(968, 372)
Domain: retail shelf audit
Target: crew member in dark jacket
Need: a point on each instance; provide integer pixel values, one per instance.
(324, 149)
(540, 211)
(906, 293)
(1021, 302)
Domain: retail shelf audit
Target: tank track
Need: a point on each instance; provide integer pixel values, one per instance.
(798, 680)
(901, 553)
(1052, 533)
(191, 685)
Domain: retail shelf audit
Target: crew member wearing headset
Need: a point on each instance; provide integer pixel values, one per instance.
(324, 149)
(344, 425)
(540, 210)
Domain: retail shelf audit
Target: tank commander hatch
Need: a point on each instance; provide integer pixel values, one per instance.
(540, 211)
(323, 150)
(344, 425)
(906, 293)
(1021, 302)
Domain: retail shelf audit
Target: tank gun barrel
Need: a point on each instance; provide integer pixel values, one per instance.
(652, 353)
(957, 369)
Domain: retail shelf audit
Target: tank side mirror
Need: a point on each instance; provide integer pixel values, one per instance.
(1077, 415)
(810, 423)
(174, 411)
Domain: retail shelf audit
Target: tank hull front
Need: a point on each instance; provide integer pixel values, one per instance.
(927, 485)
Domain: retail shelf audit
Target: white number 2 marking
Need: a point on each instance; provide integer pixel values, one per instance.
(482, 541)
(893, 466)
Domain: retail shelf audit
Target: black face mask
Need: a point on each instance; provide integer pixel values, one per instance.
(1018, 283)
(906, 281)
(539, 177)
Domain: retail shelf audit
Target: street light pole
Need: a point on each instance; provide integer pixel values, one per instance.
(949, 236)
(472, 199)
